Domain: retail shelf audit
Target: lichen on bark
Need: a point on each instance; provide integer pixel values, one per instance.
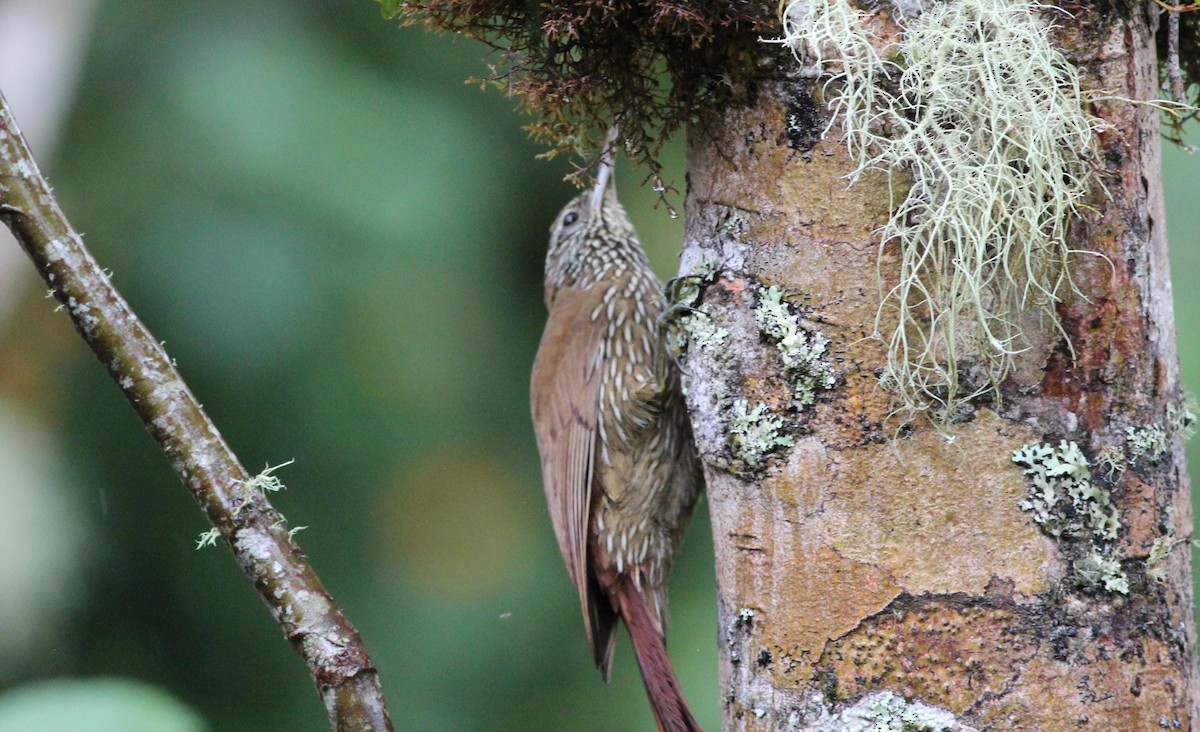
(884, 555)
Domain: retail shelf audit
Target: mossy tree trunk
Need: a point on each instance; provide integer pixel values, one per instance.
(882, 555)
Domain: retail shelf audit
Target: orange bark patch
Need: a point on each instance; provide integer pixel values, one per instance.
(937, 516)
(1108, 693)
(829, 599)
(1141, 516)
(956, 655)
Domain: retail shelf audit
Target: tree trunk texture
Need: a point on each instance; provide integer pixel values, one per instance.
(875, 555)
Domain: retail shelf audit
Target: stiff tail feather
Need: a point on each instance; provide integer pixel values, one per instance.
(662, 687)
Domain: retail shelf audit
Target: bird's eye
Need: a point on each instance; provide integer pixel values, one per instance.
(570, 218)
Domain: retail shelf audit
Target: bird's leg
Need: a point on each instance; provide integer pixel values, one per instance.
(678, 296)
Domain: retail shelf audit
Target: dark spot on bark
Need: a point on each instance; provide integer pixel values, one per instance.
(764, 658)
(802, 122)
(829, 686)
(1114, 154)
(1060, 642)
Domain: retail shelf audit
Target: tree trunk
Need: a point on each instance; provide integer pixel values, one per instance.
(881, 570)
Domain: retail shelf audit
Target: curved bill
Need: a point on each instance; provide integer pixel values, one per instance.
(605, 179)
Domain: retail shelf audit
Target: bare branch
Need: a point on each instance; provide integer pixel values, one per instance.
(313, 623)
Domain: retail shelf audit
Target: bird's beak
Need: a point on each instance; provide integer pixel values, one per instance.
(605, 179)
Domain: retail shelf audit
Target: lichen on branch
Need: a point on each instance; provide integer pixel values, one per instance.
(235, 503)
(578, 66)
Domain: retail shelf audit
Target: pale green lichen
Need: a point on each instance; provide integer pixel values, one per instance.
(1068, 506)
(733, 225)
(1095, 570)
(755, 433)
(1156, 568)
(1152, 441)
(1148, 442)
(701, 329)
(981, 118)
(266, 481)
(800, 350)
(1112, 459)
(208, 538)
(891, 713)
(1062, 497)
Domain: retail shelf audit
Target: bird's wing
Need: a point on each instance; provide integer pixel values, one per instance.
(565, 391)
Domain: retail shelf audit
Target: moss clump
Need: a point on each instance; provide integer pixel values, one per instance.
(976, 111)
(579, 65)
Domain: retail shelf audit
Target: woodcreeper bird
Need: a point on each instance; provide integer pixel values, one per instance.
(618, 457)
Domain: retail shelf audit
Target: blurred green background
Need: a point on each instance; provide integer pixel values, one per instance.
(341, 243)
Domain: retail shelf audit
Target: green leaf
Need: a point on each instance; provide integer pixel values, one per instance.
(95, 705)
(389, 8)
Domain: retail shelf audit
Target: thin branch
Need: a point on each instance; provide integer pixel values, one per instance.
(1174, 72)
(1183, 7)
(313, 623)
(1180, 8)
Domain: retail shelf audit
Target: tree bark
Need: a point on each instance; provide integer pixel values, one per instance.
(878, 555)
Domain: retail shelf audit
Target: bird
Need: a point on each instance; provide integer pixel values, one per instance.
(618, 457)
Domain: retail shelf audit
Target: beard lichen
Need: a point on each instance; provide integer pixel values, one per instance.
(974, 110)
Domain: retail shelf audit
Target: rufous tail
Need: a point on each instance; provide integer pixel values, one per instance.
(666, 696)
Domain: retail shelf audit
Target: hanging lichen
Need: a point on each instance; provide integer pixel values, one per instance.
(975, 112)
